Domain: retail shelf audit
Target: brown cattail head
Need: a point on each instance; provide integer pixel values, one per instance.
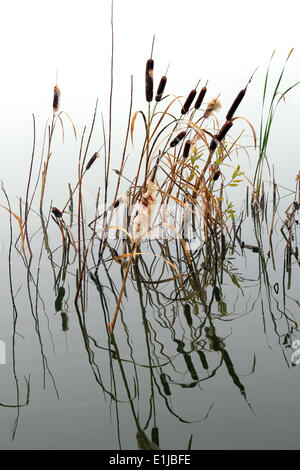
(212, 106)
(213, 145)
(161, 88)
(177, 139)
(216, 175)
(200, 97)
(220, 136)
(56, 212)
(224, 129)
(235, 104)
(91, 161)
(188, 102)
(56, 99)
(186, 149)
(149, 80)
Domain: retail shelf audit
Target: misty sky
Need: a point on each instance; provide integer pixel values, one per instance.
(222, 41)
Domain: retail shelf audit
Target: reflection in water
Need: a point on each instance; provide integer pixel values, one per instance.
(179, 345)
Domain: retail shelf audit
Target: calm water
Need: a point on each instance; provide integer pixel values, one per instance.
(183, 361)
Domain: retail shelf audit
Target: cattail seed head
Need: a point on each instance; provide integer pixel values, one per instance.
(56, 99)
(213, 145)
(213, 105)
(186, 149)
(56, 212)
(91, 161)
(200, 97)
(220, 136)
(149, 80)
(161, 88)
(216, 175)
(188, 102)
(117, 203)
(177, 139)
(224, 129)
(235, 104)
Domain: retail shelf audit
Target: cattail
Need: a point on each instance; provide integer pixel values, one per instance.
(216, 175)
(223, 131)
(235, 104)
(213, 145)
(56, 99)
(188, 102)
(116, 204)
(190, 366)
(186, 149)
(149, 80)
(220, 136)
(177, 139)
(200, 97)
(64, 321)
(213, 105)
(59, 299)
(56, 212)
(238, 99)
(161, 88)
(165, 384)
(91, 161)
(187, 314)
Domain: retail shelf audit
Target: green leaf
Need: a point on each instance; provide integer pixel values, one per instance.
(235, 281)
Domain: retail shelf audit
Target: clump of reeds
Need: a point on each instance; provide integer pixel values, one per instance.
(170, 168)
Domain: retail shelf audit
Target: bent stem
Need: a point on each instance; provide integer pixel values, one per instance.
(113, 322)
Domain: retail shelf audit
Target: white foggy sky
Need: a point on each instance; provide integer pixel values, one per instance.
(222, 41)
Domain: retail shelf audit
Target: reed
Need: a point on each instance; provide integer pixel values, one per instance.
(161, 89)
(177, 139)
(149, 80)
(187, 104)
(56, 99)
(200, 98)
